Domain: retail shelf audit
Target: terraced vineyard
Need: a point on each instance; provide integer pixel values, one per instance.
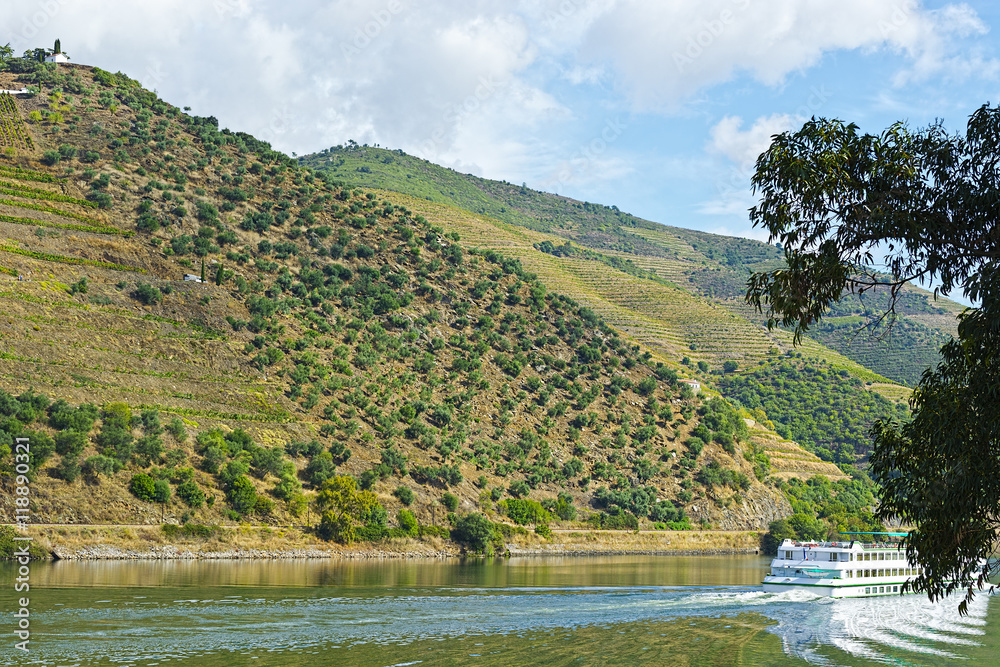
(710, 266)
(789, 460)
(13, 132)
(671, 321)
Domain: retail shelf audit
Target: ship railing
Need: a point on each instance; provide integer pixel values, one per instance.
(825, 545)
(847, 545)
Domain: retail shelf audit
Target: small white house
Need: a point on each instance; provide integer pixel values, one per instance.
(57, 58)
(694, 384)
(191, 278)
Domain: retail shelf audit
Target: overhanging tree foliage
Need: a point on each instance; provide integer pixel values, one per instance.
(923, 205)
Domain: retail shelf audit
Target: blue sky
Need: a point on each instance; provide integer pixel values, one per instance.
(657, 107)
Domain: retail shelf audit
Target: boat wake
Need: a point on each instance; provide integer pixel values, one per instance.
(879, 629)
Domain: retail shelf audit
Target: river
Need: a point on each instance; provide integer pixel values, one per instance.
(623, 610)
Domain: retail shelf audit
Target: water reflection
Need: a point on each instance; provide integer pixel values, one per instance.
(393, 573)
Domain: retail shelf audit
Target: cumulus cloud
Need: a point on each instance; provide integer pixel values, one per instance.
(517, 90)
(743, 146)
(664, 52)
(740, 148)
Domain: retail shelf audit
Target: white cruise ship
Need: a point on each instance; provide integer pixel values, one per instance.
(841, 569)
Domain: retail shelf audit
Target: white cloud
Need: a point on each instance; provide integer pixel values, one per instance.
(664, 52)
(740, 148)
(743, 146)
(518, 90)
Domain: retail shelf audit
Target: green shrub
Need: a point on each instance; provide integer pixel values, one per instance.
(475, 532)
(176, 428)
(614, 519)
(95, 466)
(161, 491)
(190, 493)
(241, 495)
(148, 294)
(263, 506)
(405, 495)
(407, 522)
(143, 487)
(70, 442)
(450, 501)
(68, 468)
(519, 488)
(524, 511)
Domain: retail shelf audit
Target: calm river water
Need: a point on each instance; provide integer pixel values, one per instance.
(627, 610)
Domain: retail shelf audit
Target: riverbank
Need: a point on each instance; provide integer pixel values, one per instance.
(69, 542)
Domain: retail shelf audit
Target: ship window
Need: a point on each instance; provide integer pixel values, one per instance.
(788, 555)
(868, 591)
(833, 556)
(868, 573)
(881, 589)
(881, 556)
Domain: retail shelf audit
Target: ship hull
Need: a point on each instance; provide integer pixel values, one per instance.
(825, 589)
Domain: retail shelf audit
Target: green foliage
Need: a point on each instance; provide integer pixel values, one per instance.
(148, 294)
(70, 442)
(614, 519)
(176, 428)
(911, 194)
(561, 506)
(407, 522)
(241, 495)
(161, 491)
(665, 512)
(9, 546)
(95, 466)
(519, 489)
(714, 474)
(637, 500)
(320, 469)
(143, 487)
(450, 501)
(405, 495)
(476, 533)
(445, 475)
(191, 493)
(68, 468)
(343, 507)
(524, 511)
(812, 404)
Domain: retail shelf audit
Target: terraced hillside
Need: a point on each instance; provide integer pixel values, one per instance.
(338, 331)
(709, 266)
(674, 322)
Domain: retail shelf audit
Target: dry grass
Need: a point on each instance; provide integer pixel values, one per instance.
(589, 541)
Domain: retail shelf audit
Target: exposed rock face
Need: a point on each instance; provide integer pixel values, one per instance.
(759, 507)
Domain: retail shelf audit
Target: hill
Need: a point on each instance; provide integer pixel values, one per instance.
(706, 265)
(339, 331)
